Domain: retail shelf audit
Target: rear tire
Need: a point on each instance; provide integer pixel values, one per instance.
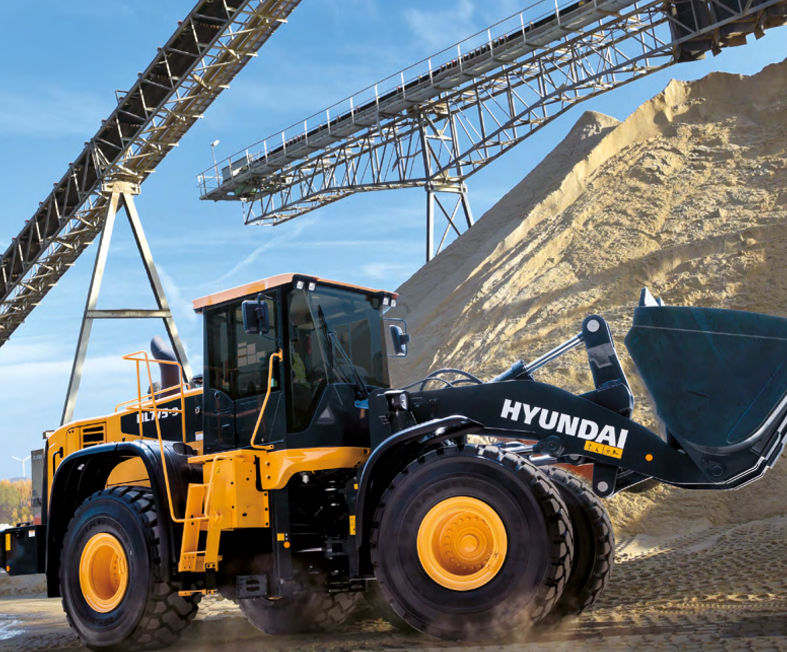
(594, 546)
(310, 611)
(471, 500)
(110, 567)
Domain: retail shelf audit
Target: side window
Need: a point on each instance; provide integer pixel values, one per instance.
(253, 355)
(218, 364)
(308, 373)
(237, 363)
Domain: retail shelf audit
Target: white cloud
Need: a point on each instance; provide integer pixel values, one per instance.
(178, 302)
(439, 29)
(384, 270)
(272, 243)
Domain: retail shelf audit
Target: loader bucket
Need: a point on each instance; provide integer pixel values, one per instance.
(718, 377)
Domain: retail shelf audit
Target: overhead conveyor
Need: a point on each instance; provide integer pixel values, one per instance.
(438, 122)
(210, 46)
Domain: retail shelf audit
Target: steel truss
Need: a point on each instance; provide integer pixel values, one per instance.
(121, 195)
(211, 45)
(438, 129)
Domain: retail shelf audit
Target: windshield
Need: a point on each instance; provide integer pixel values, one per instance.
(341, 321)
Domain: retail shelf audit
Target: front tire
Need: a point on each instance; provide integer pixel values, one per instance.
(109, 567)
(470, 543)
(309, 611)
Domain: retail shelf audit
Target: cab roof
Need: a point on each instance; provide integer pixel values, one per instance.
(274, 282)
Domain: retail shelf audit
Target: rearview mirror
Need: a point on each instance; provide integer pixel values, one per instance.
(255, 317)
(400, 340)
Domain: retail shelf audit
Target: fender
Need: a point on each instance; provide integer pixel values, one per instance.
(86, 471)
(388, 458)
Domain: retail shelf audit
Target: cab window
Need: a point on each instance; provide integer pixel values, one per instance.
(330, 331)
(308, 371)
(237, 363)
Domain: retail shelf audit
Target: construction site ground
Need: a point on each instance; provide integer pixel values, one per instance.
(721, 588)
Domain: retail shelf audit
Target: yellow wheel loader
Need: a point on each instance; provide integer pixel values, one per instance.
(293, 479)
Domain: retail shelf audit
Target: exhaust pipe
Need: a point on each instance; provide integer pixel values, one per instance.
(170, 376)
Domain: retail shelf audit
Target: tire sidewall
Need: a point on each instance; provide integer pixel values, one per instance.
(431, 607)
(107, 514)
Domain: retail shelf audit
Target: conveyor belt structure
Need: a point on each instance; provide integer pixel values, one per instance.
(211, 45)
(438, 122)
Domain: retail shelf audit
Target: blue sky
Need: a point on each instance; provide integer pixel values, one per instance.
(61, 85)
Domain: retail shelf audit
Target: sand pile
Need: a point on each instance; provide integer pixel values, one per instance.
(688, 196)
(22, 584)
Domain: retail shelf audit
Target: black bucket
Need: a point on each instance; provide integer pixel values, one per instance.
(718, 377)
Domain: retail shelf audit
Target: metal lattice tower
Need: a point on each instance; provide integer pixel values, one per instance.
(437, 123)
(211, 45)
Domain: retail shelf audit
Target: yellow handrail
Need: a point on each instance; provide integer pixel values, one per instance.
(280, 356)
(146, 359)
(149, 403)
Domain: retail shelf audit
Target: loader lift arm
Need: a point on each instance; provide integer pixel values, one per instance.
(597, 426)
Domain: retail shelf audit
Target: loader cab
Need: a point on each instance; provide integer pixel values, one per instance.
(333, 342)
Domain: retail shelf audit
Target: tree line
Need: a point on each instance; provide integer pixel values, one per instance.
(15, 501)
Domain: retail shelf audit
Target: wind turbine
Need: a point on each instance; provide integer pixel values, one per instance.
(19, 459)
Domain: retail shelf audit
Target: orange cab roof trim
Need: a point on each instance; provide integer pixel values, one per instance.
(267, 284)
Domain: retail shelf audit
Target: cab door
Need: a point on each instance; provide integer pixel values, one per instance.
(236, 378)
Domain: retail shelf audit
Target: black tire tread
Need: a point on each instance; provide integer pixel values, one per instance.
(602, 532)
(167, 615)
(376, 600)
(327, 612)
(334, 609)
(561, 544)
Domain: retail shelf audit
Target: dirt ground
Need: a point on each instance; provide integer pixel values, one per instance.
(724, 588)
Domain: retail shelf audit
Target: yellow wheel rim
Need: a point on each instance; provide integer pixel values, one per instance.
(462, 543)
(103, 573)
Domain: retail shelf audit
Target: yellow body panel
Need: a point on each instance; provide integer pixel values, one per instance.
(130, 472)
(233, 500)
(81, 434)
(277, 467)
(230, 499)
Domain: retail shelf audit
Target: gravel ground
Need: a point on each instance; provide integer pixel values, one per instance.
(724, 588)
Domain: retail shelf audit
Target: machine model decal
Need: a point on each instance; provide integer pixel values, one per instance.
(601, 439)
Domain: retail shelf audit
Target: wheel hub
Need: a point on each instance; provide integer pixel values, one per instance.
(103, 572)
(462, 543)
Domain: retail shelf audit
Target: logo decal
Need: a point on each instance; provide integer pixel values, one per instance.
(600, 439)
(609, 451)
